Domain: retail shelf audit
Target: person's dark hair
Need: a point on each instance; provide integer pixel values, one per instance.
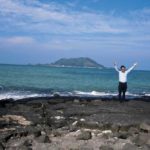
(122, 67)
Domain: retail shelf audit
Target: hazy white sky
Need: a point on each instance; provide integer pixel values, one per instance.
(42, 31)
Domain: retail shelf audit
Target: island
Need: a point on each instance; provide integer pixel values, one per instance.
(77, 62)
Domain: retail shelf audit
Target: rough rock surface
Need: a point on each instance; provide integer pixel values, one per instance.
(74, 124)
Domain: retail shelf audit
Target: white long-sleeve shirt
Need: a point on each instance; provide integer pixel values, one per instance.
(123, 75)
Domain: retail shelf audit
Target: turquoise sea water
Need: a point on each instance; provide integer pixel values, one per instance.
(17, 81)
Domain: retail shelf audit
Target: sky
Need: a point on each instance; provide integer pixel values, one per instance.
(42, 31)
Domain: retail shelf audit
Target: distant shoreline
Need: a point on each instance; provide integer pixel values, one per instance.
(44, 65)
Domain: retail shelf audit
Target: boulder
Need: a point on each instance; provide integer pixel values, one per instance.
(56, 95)
(84, 135)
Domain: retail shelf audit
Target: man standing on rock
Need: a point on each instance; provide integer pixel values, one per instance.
(122, 87)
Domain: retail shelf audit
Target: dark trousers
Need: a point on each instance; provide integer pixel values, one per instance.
(122, 88)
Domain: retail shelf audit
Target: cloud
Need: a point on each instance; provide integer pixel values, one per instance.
(17, 40)
(57, 26)
(52, 18)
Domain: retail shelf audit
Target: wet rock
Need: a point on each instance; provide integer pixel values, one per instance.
(129, 146)
(145, 127)
(4, 102)
(56, 95)
(84, 135)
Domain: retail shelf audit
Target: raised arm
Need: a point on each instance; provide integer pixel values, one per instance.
(131, 68)
(116, 68)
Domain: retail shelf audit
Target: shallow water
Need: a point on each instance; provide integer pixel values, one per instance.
(18, 81)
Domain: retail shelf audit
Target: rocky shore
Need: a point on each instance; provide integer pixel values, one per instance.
(74, 124)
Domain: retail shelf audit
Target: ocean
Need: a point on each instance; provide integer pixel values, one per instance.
(22, 81)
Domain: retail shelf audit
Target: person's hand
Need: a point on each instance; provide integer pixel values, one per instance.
(135, 64)
(115, 63)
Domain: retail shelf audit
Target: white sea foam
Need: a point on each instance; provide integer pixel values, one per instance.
(103, 94)
(94, 93)
(18, 95)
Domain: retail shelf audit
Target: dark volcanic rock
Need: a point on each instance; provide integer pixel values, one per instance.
(56, 95)
(5, 136)
(84, 135)
(56, 121)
